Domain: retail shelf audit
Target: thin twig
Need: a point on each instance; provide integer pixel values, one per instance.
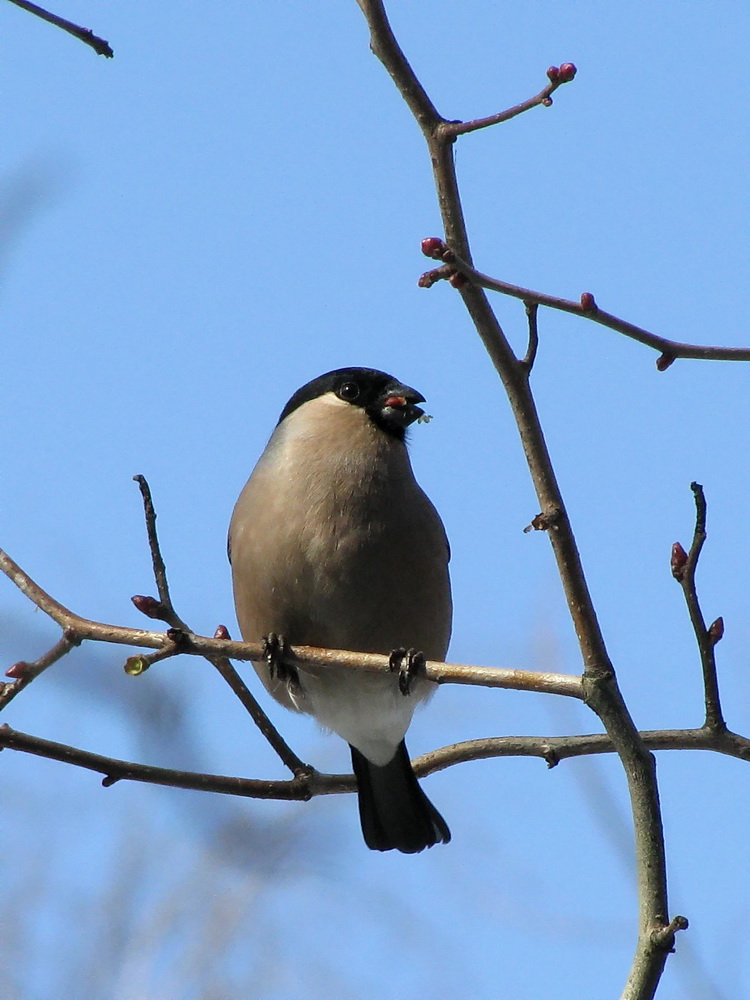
(181, 637)
(302, 786)
(684, 569)
(530, 357)
(85, 35)
(450, 130)
(261, 720)
(587, 309)
(308, 784)
(166, 611)
(554, 749)
(24, 673)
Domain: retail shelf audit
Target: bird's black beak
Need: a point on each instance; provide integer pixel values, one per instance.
(399, 405)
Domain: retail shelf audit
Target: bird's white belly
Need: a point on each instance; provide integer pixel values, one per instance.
(365, 709)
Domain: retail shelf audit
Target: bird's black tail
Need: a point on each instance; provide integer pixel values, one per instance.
(394, 811)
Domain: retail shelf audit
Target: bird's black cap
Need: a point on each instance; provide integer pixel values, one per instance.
(389, 403)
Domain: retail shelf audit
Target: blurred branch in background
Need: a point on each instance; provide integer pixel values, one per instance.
(23, 192)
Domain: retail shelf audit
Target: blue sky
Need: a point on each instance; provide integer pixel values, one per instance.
(230, 207)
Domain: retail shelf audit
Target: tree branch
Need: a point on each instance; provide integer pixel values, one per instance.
(85, 35)
(180, 635)
(684, 566)
(557, 77)
(308, 657)
(586, 308)
(600, 684)
(24, 673)
(309, 784)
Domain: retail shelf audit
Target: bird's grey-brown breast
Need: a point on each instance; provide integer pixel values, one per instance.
(333, 542)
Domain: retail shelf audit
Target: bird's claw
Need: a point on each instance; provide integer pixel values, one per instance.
(408, 663)
(277, 654)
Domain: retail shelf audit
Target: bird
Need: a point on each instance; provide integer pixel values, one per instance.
(334, 544)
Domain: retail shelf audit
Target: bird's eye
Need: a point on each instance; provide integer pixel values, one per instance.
(349, 391)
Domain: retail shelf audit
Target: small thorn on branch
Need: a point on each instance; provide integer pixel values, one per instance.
(678, 561)
(664, 361)
(663, 937)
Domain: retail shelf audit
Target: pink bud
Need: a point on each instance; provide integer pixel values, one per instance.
(567, 72)
(148, 606)
(678, 561)
(716, 631)
(433, 246)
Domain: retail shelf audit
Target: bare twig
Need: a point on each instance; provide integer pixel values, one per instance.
(530, 357)
(85, 35)
(554, 749)
(165, 610)
(557, 77)
(587, 309)
(24, 673)
(308, 784)
(600, 685)
(286, 754)
(181, 635)
(302, 786)
(684, 566)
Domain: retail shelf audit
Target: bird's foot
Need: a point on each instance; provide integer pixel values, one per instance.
(277, 654)
(409, 663)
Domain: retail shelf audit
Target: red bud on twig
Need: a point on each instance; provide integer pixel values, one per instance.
(222, 632)
(553, 73)
(148, 606)
(547, 102)
(17, 670)
(458, 280)
(567, 72)
(588, 302)
(716, 631)
(678, 561)
(433, 246)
